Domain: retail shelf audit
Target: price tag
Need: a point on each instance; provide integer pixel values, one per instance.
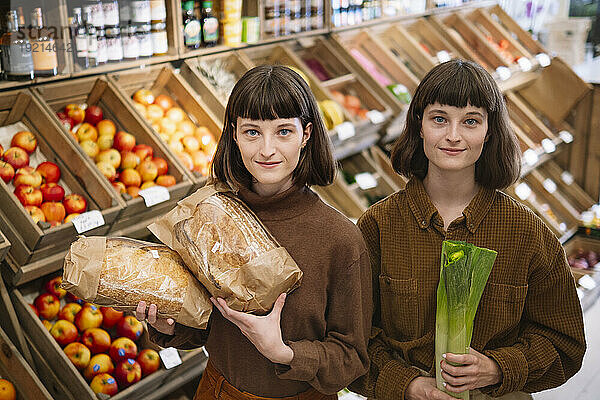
(365, 180)
(549, 185)
(523, 191)
(530, 157)
(525, 64)
(566, 136)
(543, 59)
(443, 56)
(375, 116)
(344, 130)
(580, 294)
(587, 282)
(562, 226)
(154, 253)
(88, 221)
(567, 177)
(503, 73)
(155, 195)
(170, 357)
(548, 145)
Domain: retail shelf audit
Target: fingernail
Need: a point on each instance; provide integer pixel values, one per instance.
(444, 355)
(444, 384)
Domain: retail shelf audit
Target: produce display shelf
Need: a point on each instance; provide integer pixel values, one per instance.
(4, 246)
(588, 280)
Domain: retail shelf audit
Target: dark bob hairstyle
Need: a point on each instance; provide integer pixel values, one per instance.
(460, 83)
(271, 92)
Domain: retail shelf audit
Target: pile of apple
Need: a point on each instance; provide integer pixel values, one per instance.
(193, 145)
(129, 166)
(583, 259)
(99, 341)
(351, 103)
(37, 188)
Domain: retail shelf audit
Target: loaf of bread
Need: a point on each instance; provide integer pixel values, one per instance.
(120, 272)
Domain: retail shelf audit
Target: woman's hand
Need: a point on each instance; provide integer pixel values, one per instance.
(475, 371)
(163, 325)
(422, 388)
(263, 331)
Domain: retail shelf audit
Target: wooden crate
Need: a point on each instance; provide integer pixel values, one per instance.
(407, 49)
(431, 41)
(4, 246)
(341, 198)
(569, 188)
(64, 381)
(385, 164)
(162, 79)
(98, 91)
(76, 175)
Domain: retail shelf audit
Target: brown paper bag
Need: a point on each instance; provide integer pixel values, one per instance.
(227, 248)
(120, 272)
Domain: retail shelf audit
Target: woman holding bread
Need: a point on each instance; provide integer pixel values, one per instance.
(314, 341)
(458, 149)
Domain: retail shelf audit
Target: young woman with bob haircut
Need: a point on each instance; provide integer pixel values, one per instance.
(274, 146)
(458, 150)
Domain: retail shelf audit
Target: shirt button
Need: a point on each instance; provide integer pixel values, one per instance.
(388, 280)
(423, 223)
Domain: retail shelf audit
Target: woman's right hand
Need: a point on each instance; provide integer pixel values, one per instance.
(163, 325)
(422, 388)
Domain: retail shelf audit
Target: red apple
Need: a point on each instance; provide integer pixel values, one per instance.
(96, 339)
(124, 141)
(111, 316)
(54, 211)
(7, 172)
(87, 132)
(28, 195)
(111, 156)
(130, 177)
(47, 305)
(165, 102)
(147, 170)
(130, 327)
(52, 192)
(128, 372)
(75, 204)
(119, 187)
(78, 354)
(28, 176)
(71, 298)
(65, 120)
(166, 180)
(49, 171)
(64, 332)
(99, 364)
(25, 140)
(53, 287)
(143, 96)
(69, 311)
(89, 317)
(149, 360)
(34, 310)
(93, 115)
(36, 214)
(105, 384)
(129, 159)
(161, 165)
(106, 128)
(107, 170)
(122, 349)
(75, 112)
(1, 151)
(47, 324)
(70, 217)
(143, 151)
(17, 157)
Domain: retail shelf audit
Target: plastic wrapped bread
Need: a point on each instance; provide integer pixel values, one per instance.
(228, 249)
(120, 272)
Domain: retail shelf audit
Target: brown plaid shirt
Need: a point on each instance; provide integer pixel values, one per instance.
(529, 319)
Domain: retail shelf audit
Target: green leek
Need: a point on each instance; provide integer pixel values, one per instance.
(463, 275)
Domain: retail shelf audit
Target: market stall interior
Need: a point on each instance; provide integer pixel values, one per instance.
(110, 112)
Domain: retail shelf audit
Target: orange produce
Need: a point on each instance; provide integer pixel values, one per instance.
(7, 390)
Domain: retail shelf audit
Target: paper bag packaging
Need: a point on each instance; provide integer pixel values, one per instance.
(120, 272)
(228, 249)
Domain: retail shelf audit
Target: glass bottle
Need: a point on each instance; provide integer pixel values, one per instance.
(158, 10)
(16, 51)
(131, 47)
(79, 41)
(125, 12)
(92, 37)
(144, 40)
(22, 26)
(141, 13)
(114, 44)
(210, 25)
(192, 32)
(97, 17)
(110, 9)
(45, 59)
(102, 56)
(160, 42)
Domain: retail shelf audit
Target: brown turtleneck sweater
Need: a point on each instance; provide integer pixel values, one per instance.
(326, 321)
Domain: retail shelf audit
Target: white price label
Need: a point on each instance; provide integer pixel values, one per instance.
(580, 294)
(566, 136)
(587, 282)
(375, 116)
(170, 357)
(567, 177)
(524, 64)
(443, 56)
(549, 185)
(523, 191)
(548, 145)
(365, 180)
(562, 226)
(530, 157)
(543, 59)
(503, 73)
(88, 221)
(345, 130)
(155, 195)
(154, 253)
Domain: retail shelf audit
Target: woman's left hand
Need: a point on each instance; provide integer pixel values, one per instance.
(475, 371)
(263, 331)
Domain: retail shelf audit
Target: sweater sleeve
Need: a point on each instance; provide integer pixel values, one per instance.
(332, 363)
(389, 375)
(184, 337)
(551, 346)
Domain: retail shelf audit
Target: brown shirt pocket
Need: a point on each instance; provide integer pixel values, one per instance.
(400, 314)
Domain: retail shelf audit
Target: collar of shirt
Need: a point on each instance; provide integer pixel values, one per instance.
(424, 210)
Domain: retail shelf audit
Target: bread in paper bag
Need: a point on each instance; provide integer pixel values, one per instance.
(120, 272)
(228, 249)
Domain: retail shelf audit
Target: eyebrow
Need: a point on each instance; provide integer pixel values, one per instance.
(438, 111)
(249, 125)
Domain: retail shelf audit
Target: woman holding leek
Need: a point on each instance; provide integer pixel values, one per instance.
(458, 150)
